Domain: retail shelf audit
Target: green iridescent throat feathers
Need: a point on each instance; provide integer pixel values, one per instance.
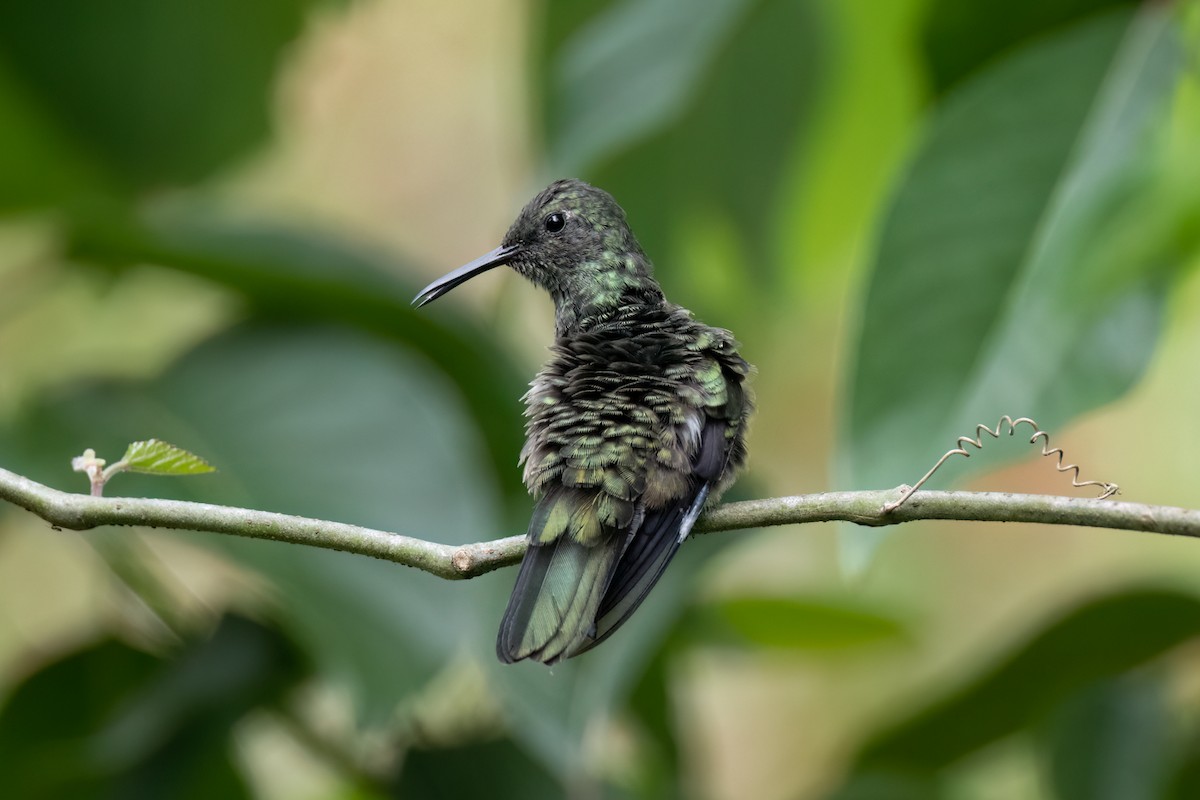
(636, 422)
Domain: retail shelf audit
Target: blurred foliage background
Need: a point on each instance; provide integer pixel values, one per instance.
(916, 216)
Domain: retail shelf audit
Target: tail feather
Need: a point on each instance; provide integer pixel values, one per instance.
(642, 564)
(658, 539)
(558, 591)
(581, 579)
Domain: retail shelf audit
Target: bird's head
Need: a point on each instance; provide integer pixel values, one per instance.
(572, 239)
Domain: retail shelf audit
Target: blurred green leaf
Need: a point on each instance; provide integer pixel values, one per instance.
(301, 275)
(112, 721)
(1097, 641)
(153, 457)
(480, 769)
(657, 772)
(983, 300)
(684, 104)
(1113, 742)
(800, 623)
(1184, 781)
(328, 423)
(47, 722)
(241, 666)
(631, 71)
(868, 785)
(811, 625)
(340, 426)
(960, 37)
(39, 166)
(155, 92)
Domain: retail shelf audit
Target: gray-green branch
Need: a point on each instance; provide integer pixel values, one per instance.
(82, 512)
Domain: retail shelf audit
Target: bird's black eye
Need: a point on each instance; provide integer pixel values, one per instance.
(555, 222)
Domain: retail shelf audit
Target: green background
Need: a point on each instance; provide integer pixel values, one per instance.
(916, 216)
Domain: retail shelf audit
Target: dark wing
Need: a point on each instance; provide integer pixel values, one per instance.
(565, 571)
(657, 540)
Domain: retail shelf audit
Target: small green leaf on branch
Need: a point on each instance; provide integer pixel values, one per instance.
(159, 458)
(150, 457)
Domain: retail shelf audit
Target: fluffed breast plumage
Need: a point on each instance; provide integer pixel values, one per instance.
(633, 425)
(621, 407)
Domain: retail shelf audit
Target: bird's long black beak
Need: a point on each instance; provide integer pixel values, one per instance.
(501, 255)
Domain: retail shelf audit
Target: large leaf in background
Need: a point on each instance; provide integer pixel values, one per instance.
(39, 165)
(113, 721)
(150, 92)
(799, 624)
(1113, 742)
(305, 276)
(325, 423)
(1184, 782)
(630, 72)
(479, 769)
(807, 626)
(346, 428)
(1096, 642)
(960, 37)
(986, 296)
(655, 119)
(658, 774)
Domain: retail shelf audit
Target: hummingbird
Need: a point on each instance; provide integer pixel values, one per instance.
(637, 420)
